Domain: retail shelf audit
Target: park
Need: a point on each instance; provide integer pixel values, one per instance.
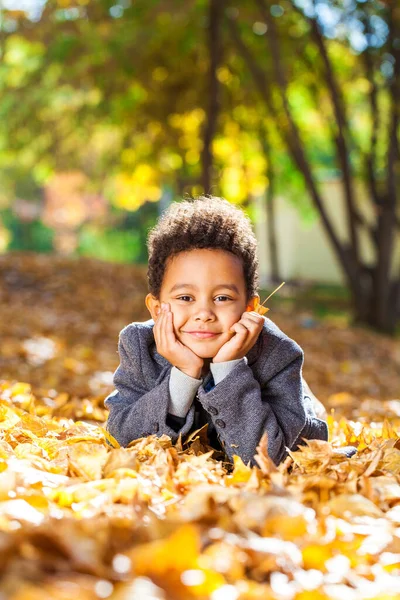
(113, 115)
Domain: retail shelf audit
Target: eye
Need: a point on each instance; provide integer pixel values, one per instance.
(182, 297)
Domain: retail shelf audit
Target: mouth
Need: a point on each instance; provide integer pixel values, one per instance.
(201, 334)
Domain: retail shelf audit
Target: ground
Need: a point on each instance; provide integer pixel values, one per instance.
(81, 517)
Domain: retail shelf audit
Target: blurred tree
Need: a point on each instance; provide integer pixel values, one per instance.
(26, 234)
(271, 222)
(131, 126)
(350, 55)
(138, 95)
(215, 18)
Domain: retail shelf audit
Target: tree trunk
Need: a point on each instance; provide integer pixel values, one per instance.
(270, 198)
(216, 8)
(375, 294)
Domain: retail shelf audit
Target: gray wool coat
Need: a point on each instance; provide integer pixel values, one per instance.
(240, 399)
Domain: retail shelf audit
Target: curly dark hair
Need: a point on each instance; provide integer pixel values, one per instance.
(202, 222)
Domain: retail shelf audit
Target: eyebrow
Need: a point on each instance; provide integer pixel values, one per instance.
(229, 286)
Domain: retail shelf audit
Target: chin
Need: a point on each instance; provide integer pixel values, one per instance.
(205, 355)
(204, 352)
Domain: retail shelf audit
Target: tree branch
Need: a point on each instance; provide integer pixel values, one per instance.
(370, 158)
(271, 224)
(387, 213)
(292, 139)
(216, 8)
(342, 125)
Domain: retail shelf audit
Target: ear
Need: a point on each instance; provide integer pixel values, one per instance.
(153, 306)
(251, 304)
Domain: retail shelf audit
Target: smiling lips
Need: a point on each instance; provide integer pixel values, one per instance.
(202, 334)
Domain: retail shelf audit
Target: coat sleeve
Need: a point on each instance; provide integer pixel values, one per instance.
(242, 408)
(135, 411)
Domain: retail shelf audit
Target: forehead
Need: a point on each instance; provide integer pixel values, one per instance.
(204, 268)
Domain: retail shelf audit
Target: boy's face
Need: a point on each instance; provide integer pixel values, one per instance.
(205, 302)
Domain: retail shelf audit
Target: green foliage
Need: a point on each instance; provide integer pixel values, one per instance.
(28, 236)
(125, 241)
(119, 91)
(109, 244)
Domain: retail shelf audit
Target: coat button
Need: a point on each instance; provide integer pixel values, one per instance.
(156, 427)
(213, 410)
(220, 423)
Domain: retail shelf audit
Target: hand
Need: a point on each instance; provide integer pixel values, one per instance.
(246, 332)
(179, 355)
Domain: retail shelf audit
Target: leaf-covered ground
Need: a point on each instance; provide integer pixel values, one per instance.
(82, 519)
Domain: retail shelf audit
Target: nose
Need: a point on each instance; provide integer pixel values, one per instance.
(204, 313)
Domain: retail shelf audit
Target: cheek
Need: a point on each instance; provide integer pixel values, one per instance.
(233, 318)
(177, 321)
(180, 315)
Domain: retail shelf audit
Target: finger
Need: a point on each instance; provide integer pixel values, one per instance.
(162, 330)
(247, 326)
(159, 312)
(158, 328)
(252, 322)
(254, 316)
(239, 328)
(168, 327)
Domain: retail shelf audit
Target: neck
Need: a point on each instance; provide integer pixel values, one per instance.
(206, 366)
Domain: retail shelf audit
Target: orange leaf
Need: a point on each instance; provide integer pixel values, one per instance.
(259, 308)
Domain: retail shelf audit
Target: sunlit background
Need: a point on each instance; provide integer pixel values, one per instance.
(111, 110)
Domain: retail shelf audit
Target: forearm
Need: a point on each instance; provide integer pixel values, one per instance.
(183, 387)
(134, 414)
(241, 415)
(182, 390)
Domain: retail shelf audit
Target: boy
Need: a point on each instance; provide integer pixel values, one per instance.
(206, 356)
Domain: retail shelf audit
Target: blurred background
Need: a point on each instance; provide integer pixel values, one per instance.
(112, 109)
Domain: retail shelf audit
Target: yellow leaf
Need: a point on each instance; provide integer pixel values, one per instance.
(175, 561)
(315, 556)
(34, 424)
(87, 460)
(347, 506)
(178, 552)
(241, 473)
(110, 438)
(388, 431)
(258, 308)
(8, 418)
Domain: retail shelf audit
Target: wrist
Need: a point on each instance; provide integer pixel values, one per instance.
(220, 360)
(195, 373)
(227, 359)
